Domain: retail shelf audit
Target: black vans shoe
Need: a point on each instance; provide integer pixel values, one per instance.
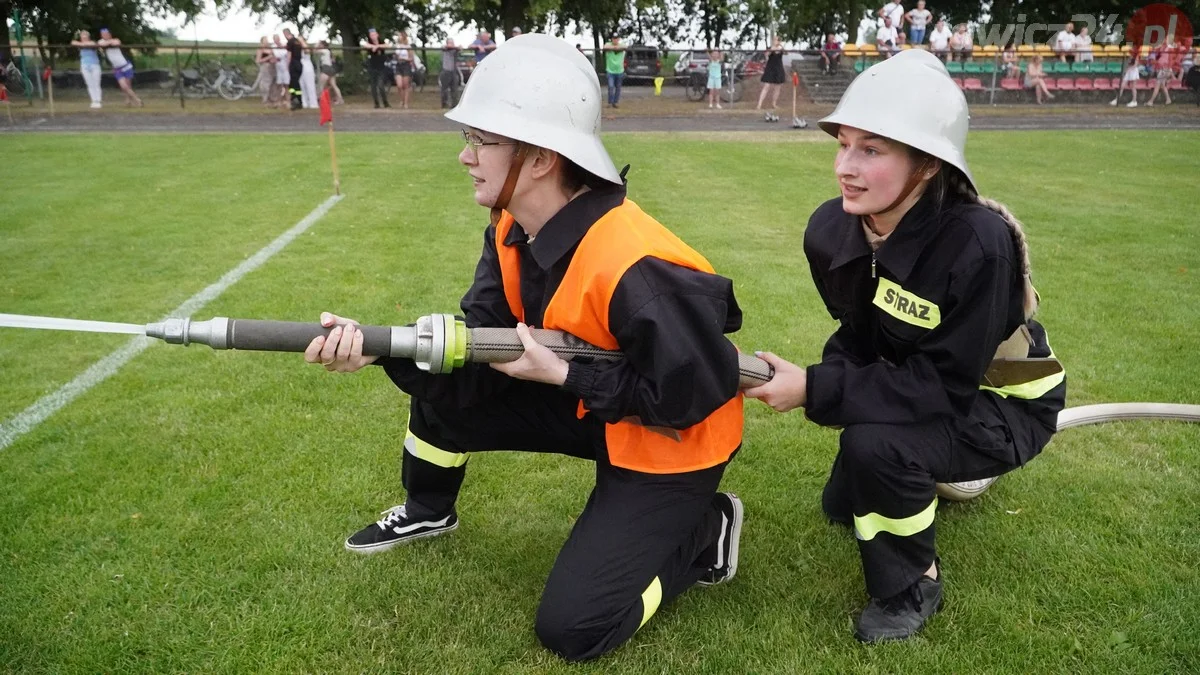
(397, 528)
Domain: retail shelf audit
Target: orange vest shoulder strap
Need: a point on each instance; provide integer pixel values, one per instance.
(510, 266)
(618, 240)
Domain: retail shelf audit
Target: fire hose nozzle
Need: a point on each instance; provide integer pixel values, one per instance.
(214, 332)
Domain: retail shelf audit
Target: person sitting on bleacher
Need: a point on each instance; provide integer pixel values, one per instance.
(1064, 42)
(1010, 65)
(1083, 46)
(1035, 78)
(939, 40)
(885, 38)
(831, 53)
(961, 44)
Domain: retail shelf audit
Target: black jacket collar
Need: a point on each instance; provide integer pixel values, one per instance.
(566, 228)
(900, 251)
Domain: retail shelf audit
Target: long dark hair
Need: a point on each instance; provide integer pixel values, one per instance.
(950, 187)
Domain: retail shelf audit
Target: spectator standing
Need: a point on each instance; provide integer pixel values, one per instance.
(831, 54)
(918, 19)
(377, 67)
(1165, 63)
(329, 73)
(1035, 79)
(614, 67)
(265, 82)
(449, 80)
(281, 72)
(1064, 42)
(1129, 79)
(89, 66)
(295, 52)
(516, 30)
(1083, 46)
(961, 44)
(772, 79)
(894, 11)
(714, 78)
(939, 40)
(122, 68)
(404, 67)
(483, 45)
(885, 38)
(308, 78)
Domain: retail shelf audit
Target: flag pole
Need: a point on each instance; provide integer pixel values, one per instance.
(337, 184)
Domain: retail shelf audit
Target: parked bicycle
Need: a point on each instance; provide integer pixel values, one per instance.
(732, 84)
(226, 82)
(14, 79)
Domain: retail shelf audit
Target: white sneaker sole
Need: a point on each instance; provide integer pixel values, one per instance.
(966, 490)
(388, 545)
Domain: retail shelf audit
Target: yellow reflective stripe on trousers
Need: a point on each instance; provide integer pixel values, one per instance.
(1030, 390)
(434, 455)
(866, 527)
(651, 599)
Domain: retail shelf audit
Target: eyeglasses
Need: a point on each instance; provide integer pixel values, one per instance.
(475, 141)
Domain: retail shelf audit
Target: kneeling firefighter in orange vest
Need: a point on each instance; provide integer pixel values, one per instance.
(566, 250)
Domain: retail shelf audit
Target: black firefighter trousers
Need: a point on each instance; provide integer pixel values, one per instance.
(641, 540)
(882, 481)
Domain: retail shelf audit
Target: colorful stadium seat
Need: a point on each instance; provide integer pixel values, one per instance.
(959, 82)
(1065, 84)
(1050, 84)
(973, 84)
(1081, 67)
(1011, 84)
(954, 67)
(1083, 83)
(1101, 84)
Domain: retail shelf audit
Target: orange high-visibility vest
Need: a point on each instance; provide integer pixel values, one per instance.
(611, 246)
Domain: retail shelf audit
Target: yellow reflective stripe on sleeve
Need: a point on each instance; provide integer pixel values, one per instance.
(866, 527)
(651, 599)
(433, 455)
(906, 305)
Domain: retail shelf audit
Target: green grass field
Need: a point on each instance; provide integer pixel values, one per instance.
(188, 513)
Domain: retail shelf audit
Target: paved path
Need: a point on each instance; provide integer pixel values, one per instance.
(1177, 117)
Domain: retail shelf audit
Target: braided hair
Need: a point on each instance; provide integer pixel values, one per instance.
(950, 185)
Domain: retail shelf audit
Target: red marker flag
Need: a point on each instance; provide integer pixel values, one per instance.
(326, 108)
(795, 79)
(3, 93)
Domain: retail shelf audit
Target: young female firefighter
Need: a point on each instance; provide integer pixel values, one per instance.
(930, 283)
(566, 250)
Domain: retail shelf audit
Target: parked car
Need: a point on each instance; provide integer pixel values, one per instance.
(466, 64)
(695, 61)
(641, 63)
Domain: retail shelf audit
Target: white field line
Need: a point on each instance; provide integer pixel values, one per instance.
(51, 403)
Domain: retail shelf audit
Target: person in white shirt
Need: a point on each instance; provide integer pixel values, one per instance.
(405, 65)
(122, 68)
(918, 19)
(281, 72)
(1064, 42)
(939, 40)
(961, 44)
(885, 38)
(1083, 45)
(308, 80)
(894, 11)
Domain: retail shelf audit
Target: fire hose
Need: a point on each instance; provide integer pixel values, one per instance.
(440, 343)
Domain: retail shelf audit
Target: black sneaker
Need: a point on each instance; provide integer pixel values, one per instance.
(732, 515)
(396, 528)
(901, 616)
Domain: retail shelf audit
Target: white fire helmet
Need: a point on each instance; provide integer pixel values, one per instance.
(540, 90)
(910, 99)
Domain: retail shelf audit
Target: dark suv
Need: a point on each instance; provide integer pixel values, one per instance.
(641, 63)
